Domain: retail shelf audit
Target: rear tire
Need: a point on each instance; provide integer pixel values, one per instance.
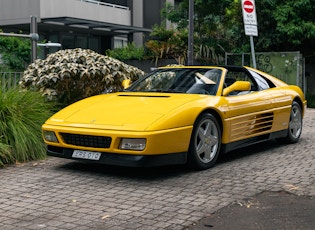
(295, 124)
(205, 142)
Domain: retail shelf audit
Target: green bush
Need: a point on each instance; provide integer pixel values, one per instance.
(15, 53)
(310, 97)
(167, 43)
(70, 75)
(130, 52)
(21, 115)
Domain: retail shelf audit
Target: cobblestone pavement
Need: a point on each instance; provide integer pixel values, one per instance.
(64, 194)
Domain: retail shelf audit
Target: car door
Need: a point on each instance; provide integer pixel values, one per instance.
(281, 101)
(247, 114)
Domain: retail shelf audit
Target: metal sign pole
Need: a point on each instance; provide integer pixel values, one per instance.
(34, 37)
(190, 53)
(253, 51)
(250, 24)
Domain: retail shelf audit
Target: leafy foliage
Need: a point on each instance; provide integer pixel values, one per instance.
(284, 25)
(130, 52)
(295, 19)
(15, 52)
(208, 28)
(177, 15)
(310, 97)
(168, 43)
(209, 55)
(70, 75)
(21, 115)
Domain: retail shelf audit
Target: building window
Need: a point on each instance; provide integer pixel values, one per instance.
(81, 42)
(120, 42)
(67, 41)
(95, 44)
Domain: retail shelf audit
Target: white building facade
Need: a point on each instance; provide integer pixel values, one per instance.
(90, 24)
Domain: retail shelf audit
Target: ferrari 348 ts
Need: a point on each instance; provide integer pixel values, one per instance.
(178, 115)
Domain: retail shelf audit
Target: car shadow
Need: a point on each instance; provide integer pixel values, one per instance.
(240, 153)
(143, 173)
(163, 172)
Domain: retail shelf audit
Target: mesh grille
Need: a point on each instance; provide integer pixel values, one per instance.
(86, 140)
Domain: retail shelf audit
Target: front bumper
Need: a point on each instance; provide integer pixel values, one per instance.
(124, 159)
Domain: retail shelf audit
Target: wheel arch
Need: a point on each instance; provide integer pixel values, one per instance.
(216, 114)
(299, 101)
(196, 159)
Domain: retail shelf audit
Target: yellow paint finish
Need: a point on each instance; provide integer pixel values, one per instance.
(158, 142)
(166, 119)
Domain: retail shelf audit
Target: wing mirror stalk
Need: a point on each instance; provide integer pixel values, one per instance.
(126, 83)
(237, 86)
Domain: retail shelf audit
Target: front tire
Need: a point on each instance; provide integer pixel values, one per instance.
(205, 142)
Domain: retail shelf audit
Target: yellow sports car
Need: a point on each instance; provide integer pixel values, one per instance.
(178, 115)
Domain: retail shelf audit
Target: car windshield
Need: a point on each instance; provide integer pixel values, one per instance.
(180, 80)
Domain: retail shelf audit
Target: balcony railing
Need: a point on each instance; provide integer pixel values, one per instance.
(106, 4)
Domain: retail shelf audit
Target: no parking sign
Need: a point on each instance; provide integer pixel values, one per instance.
(250, 24)
(249, 17)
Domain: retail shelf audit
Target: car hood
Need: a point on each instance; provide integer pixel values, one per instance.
(122, 111)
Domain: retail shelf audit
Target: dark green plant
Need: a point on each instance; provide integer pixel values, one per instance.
(5, 154)
(21, 115)
(130, 52)
(16, 53)
(160, 44)
(283, 25)
(168, 43)
(310, 97)
(206, 55)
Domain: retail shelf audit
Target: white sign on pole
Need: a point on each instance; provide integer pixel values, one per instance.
(249, 17)
(250, 24)
(251, 30)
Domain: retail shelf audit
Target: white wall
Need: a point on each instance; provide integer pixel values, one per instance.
(84, 10)
(19, 11)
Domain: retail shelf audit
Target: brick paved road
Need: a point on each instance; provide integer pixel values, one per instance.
(63, 194)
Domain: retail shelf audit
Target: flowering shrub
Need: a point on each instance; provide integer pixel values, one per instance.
(70, 75)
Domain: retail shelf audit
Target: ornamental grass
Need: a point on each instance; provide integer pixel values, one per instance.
(21, 115)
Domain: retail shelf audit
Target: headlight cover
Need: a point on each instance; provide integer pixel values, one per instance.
(50, 136)
(137, 144)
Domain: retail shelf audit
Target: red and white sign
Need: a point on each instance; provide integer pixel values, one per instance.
(249, 12)
(248, 6)
(249, 17)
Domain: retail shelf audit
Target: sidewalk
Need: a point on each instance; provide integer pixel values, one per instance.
(267, 210)
(285, 208)
(263, 187)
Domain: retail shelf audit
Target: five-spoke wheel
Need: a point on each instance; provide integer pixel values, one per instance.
(205, 142)
(295, 124)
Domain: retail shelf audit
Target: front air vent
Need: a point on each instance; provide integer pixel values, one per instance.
(86, 140)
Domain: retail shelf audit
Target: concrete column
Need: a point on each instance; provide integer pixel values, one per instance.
(137, 20)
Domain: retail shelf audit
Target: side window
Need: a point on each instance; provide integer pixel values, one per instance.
(262, 83)
(233, 76)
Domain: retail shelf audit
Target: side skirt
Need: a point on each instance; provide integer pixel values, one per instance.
(251, 141)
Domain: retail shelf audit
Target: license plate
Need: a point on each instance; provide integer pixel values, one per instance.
(86, 155)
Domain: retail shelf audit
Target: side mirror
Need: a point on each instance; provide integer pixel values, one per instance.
(237, 86)
(126, 83)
